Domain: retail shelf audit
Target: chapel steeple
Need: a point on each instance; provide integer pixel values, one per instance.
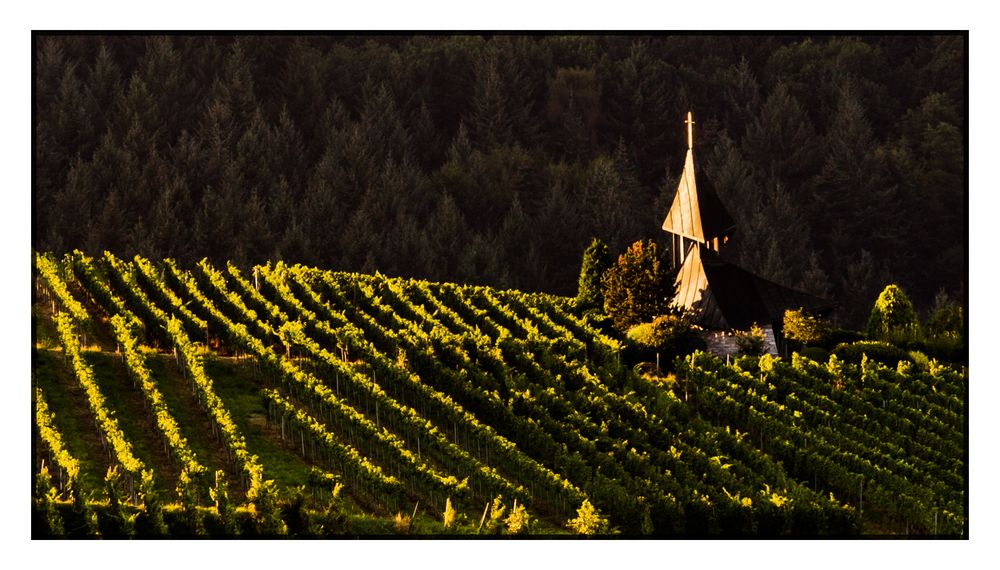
(696, 214)
(717, 295)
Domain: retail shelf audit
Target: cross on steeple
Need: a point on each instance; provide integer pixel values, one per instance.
(696, 214)
(690, 124)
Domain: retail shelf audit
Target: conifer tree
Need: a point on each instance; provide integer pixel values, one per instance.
(892, 314)
(596, 262)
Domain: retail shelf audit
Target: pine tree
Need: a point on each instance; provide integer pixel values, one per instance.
(574, 110)
(636, 103)
(741, 92)
(514, 237)
(490, 121)
(780, 141)
(814, 279)
(596, 262)
(104, 84)
(853, 188)
(608, 204)
(859, 285)
(447, 235)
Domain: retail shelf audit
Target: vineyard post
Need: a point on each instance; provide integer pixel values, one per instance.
(483, 519)
(413, 516)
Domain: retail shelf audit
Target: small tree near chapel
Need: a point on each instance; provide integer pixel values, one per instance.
(636, 288)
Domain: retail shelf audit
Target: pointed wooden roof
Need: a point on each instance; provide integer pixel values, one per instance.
(696, 212)
(724, 296)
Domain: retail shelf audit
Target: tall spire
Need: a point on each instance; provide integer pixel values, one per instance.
(696, 214)
(690, 124)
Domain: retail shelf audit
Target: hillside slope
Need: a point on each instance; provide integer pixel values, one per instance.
(414, 395)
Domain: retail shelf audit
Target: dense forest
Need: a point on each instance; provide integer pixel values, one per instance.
(495, 159)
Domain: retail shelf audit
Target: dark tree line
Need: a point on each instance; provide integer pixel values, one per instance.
(497, 159)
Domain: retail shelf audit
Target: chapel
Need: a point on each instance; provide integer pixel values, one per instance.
(722, 298)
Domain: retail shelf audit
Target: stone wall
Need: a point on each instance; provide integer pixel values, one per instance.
(723, 343)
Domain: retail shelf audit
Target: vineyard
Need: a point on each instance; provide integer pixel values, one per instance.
(292, 401)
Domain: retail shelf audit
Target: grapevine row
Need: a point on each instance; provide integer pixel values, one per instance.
(367, 432)
(95, 399)
(48, 271)
(69, 466)
(140, 373)
(404, 417)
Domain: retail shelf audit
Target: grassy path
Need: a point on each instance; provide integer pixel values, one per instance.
(194, 422)
(73, 419)
(128, 405)
(282, 461)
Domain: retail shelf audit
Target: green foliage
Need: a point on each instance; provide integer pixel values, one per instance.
(187, 494)
(44, 504)
(596, 261)
(880, 351)
(152, 515)
(293, 514)
(95, 399)
(224, 508)
(651, 456)
(751, 342)
(947, 320)
(588, 521)
(920, 360)
(333, 519)
(45, 422)
(669, 336)
(86, 523)
(265, 509)
(645, 335)
(292, 333)
(488, 119)
(448, 518)
(807, 329)
(492, 521)
(839, 412)
(165, 423)
(121, 519)
(518, 521)
(636, 288)
(815, 353)
(892, 314)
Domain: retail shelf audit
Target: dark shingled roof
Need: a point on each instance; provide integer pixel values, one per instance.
(696, 211)
(724, 296)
